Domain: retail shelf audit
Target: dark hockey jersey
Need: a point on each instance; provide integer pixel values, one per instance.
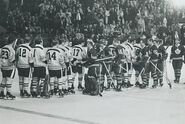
(162, 55)
(153, 53)
(177, 52)
(144, 54)
(120, 53)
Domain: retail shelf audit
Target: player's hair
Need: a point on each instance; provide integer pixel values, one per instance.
(27, 39)
(54, 42)
(11, 39)
(38, 40)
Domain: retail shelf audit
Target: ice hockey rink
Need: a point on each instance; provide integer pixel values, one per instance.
(131, 106)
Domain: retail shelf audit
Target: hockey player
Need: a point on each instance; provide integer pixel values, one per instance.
(78, 53)
(55, 61)
(65, 46)
(68, 71)
(104, 52)
(126, 66)
(112, 53)
(137, 62)
(162, 56)
(177, 53)
(144, 64)
(130, 56)
(120, 65)
(92, 78)
(153, 54)
(39, 73)
(24, 60)
(8, 68)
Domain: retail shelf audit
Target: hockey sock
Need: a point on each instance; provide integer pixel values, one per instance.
(109, 79)
(101, 79)
(147, 78)
(177, 74)
(42, 85)
(34, 84)
(80, 78)
(26, 83)
(9, 84)
(126, 78)
(144, 78)
(21, 83)
(119, 79)
(70, 83)
(155, 80)
(62, 83)
(3, 84)
(52, 83)
(55, 84)
(137, 76)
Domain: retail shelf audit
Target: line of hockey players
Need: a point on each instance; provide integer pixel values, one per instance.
(62, 62)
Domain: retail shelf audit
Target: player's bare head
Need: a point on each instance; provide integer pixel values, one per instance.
(116, 41)
(123, 38)
(38, 40)
(177, 41)
(90, 43)
(159, 41)
(54, 42)
(150, 41)
(27, 39)
(11, 39)
(143, 42)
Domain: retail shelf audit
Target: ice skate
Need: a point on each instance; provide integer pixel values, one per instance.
(128, 85)
(60, 94)
(34, 94)
(2, 96)
(137, 84)
(118, 87)
(26, 94)
(44, 95)
(51, 92)
(55, 91)
(80, 87)
(143, 86)
(21, 93)
(10, 96)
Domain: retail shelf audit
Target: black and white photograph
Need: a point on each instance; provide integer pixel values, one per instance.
(92, 61)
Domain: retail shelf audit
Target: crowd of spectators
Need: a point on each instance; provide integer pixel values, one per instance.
(93, 18)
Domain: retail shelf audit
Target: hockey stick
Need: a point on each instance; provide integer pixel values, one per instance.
(123, 68)
(109, 74)
(98, 60)
(169, 83)
(99, 89)
(166, 73)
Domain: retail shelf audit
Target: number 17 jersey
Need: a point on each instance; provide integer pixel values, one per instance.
(78, 52)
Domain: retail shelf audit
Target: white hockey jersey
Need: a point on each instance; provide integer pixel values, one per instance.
(78, 52)
(7, 57)
(24, 56)
(55, 58)
(39, 56)
(67, 53)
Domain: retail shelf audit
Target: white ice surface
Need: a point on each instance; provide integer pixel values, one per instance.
(131, 106)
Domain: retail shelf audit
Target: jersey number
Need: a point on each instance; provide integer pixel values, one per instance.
(76, 52)
(4, 54)
(22, 53)
(120, 51)
(52, 56)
